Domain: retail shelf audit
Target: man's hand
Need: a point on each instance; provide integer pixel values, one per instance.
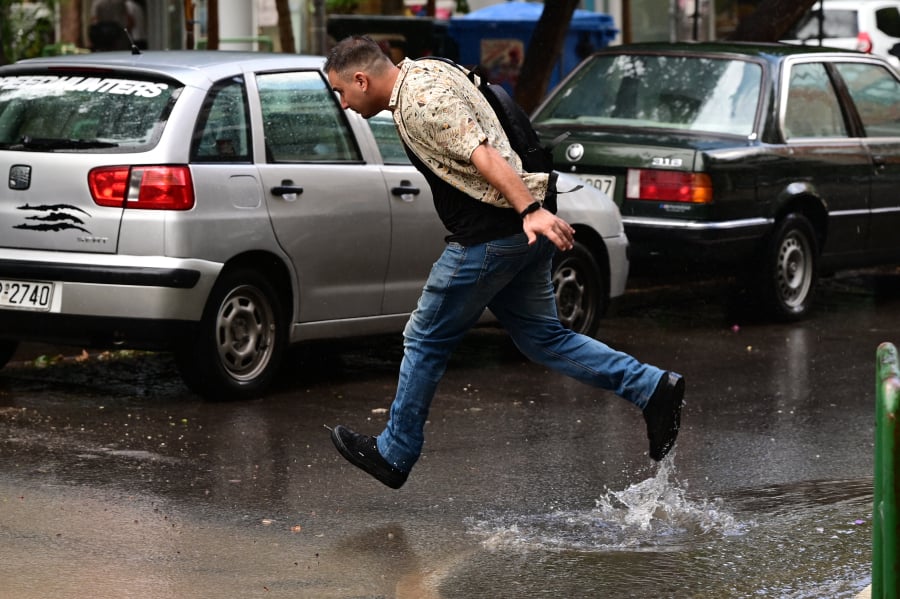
(543, 222)
(502, 176)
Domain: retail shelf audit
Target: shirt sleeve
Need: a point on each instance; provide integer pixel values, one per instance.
(447, 124)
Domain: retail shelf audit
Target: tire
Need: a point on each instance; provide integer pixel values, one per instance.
(581, 290)
(8, 349)
(787, 282)
(240, 342)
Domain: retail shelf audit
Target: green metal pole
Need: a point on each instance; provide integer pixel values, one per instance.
(885, 534)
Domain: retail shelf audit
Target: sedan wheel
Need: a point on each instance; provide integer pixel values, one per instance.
(789, 276)
(580, 289)
(240, 342)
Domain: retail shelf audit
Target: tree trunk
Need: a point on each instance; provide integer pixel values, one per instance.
(189, 42)
(770, 21)
(285, 30)
(70, 23)
(5, 32)
(212, 24)
(543, 52)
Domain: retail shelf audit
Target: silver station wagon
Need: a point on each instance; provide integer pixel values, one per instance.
(222, 206)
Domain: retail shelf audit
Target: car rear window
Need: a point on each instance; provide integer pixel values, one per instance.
(83, 112)
(694, 93)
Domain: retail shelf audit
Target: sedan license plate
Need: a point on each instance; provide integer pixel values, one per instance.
(604, 183)
(26, 295)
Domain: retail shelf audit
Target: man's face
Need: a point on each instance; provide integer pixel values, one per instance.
(352, 92)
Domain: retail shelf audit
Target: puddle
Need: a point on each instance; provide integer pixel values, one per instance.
(655, 539)
(653, 515)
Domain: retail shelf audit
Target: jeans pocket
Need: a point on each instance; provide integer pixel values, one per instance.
(504, 258)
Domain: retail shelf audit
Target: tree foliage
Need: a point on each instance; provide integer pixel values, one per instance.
(24, 29)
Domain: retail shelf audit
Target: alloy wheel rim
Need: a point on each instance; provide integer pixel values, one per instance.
(245, 327)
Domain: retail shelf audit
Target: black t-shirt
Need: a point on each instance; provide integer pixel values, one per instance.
(469, 221)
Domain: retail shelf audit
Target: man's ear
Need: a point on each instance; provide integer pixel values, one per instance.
(361, 79)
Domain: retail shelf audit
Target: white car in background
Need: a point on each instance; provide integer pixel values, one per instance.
(870, 26)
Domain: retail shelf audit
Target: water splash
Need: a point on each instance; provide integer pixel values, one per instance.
(653, 515)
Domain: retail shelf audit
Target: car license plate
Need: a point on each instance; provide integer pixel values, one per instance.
(26, 295)
(604, 183)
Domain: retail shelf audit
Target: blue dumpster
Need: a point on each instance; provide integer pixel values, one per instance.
(497, 36)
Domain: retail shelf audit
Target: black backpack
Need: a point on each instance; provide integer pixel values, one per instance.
(522, 137)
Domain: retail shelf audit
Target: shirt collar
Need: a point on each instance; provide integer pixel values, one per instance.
(395, 92)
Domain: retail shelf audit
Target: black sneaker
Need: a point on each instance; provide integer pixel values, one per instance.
(663, 414)
(362, 452)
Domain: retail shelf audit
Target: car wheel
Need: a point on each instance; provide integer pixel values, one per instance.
(580, 289)
(789, 275)
(8, 349)
(240, 342)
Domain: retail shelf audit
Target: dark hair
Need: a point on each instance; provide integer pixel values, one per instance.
(357, 53)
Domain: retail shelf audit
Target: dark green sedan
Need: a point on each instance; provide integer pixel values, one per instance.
(777, 162)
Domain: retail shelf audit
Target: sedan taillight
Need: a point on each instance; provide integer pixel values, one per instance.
(142, 187)
(668, 186)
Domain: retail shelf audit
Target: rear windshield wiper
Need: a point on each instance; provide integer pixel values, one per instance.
(49, 143)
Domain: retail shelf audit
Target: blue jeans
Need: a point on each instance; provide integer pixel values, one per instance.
(513, 280)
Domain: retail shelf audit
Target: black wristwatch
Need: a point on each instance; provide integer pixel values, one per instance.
(532, 207)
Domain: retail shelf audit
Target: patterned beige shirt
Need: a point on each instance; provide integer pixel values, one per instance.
(443, 118)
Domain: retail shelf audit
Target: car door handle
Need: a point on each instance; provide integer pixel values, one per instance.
(406, 190)
(879, 161)
(287, 190)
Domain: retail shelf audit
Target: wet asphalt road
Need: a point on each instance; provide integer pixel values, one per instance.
(116, 482)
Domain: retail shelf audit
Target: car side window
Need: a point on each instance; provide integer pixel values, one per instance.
(887, 20)
(875, 92)
(812, 108)
(385, 133)
(302, 121)
(222, 133)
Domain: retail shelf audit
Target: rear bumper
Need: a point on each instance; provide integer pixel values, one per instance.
(94, 331)
(720, 241)
(108, 294)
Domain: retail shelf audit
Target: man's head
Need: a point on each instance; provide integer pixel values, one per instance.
(361, 74)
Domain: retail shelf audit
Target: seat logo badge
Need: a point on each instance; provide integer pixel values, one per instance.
(574, 152)
(19, 177)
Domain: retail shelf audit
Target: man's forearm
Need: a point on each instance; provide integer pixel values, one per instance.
(502, 176)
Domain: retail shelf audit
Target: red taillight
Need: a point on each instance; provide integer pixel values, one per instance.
(864, 43)
(143, 187)
(108, 185)
(669, 186)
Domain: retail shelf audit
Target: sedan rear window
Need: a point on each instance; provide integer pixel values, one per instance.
(672, 92)
(65, 112)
